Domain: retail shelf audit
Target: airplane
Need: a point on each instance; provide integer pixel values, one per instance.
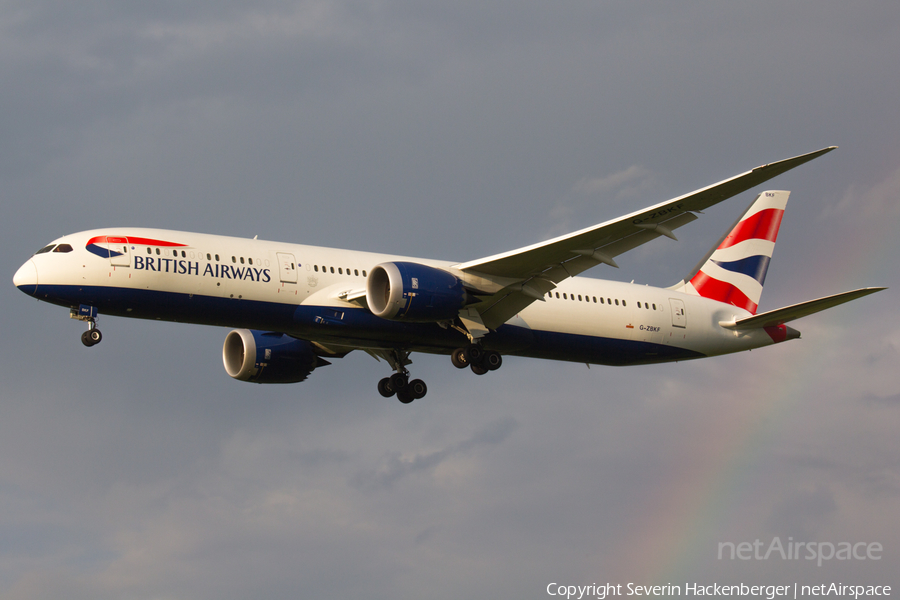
(294, 307)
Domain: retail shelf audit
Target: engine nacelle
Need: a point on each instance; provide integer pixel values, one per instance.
(267, 357)
(413, 292)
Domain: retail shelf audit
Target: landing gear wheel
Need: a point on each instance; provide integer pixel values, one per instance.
(474, 354)
(478, 370)
(399, 381)
(384, 387)
(405, 396)
(91, 337)
(417, 388)
(492, 360)
(459, 359)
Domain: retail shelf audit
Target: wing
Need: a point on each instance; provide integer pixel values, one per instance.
(515, 279)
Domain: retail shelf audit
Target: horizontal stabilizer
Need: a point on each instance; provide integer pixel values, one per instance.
(779, 316)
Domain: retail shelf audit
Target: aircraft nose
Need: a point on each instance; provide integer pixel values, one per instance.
(26, 278)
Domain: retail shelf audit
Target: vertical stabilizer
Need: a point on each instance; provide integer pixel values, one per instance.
(735, 271)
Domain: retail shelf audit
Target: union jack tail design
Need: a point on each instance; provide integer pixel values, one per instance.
(735, 271)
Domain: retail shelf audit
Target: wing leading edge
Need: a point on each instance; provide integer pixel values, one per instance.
(513, 280)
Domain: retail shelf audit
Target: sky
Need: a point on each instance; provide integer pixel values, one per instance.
(139, 469)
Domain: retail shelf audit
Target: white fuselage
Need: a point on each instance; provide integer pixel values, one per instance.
(308, 291)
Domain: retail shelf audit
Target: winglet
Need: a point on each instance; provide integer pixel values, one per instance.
(790, 163)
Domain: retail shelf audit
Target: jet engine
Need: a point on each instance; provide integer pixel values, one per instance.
(413, 292)
(268, 357)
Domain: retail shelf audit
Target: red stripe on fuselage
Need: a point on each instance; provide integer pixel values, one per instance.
(103, 239)
(761, 226)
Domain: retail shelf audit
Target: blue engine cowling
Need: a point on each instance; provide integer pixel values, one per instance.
(267, 357)
(413, 292)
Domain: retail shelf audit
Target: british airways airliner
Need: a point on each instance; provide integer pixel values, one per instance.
(294, 307)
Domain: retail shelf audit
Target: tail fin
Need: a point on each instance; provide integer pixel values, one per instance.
(734, 272)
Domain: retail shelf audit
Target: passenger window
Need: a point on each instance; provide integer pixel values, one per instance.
(623, 303)
(356, 272)
(654, 307)
(233, 259)
(332, 269)
(149, 250)
(250, 261)
(157, 251)
(316, 268)
(45, 249)
(579, 297)
(617, 301)
(340, 271)
(242, 260)
(217, 258)
(595, 299)
(183, 254)
(565, 297)
(208, 257)
(364, 272)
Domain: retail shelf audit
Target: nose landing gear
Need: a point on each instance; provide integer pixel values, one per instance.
(92, 336)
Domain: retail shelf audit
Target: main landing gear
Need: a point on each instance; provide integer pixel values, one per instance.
(399, 384)
(92, 336)
(476, 358)
(405, 390)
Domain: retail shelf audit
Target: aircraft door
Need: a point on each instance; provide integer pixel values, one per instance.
(287, 267)
(679, 318)
(119, 254)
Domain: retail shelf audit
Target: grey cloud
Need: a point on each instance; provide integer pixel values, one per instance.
(397, 466)
(139, 469)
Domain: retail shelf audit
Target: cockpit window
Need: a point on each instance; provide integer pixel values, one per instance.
(45, 249)
(63, 248)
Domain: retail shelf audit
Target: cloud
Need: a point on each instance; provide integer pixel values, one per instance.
(397, 466)
(139, 469)
(628, 182)
(874, 202)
